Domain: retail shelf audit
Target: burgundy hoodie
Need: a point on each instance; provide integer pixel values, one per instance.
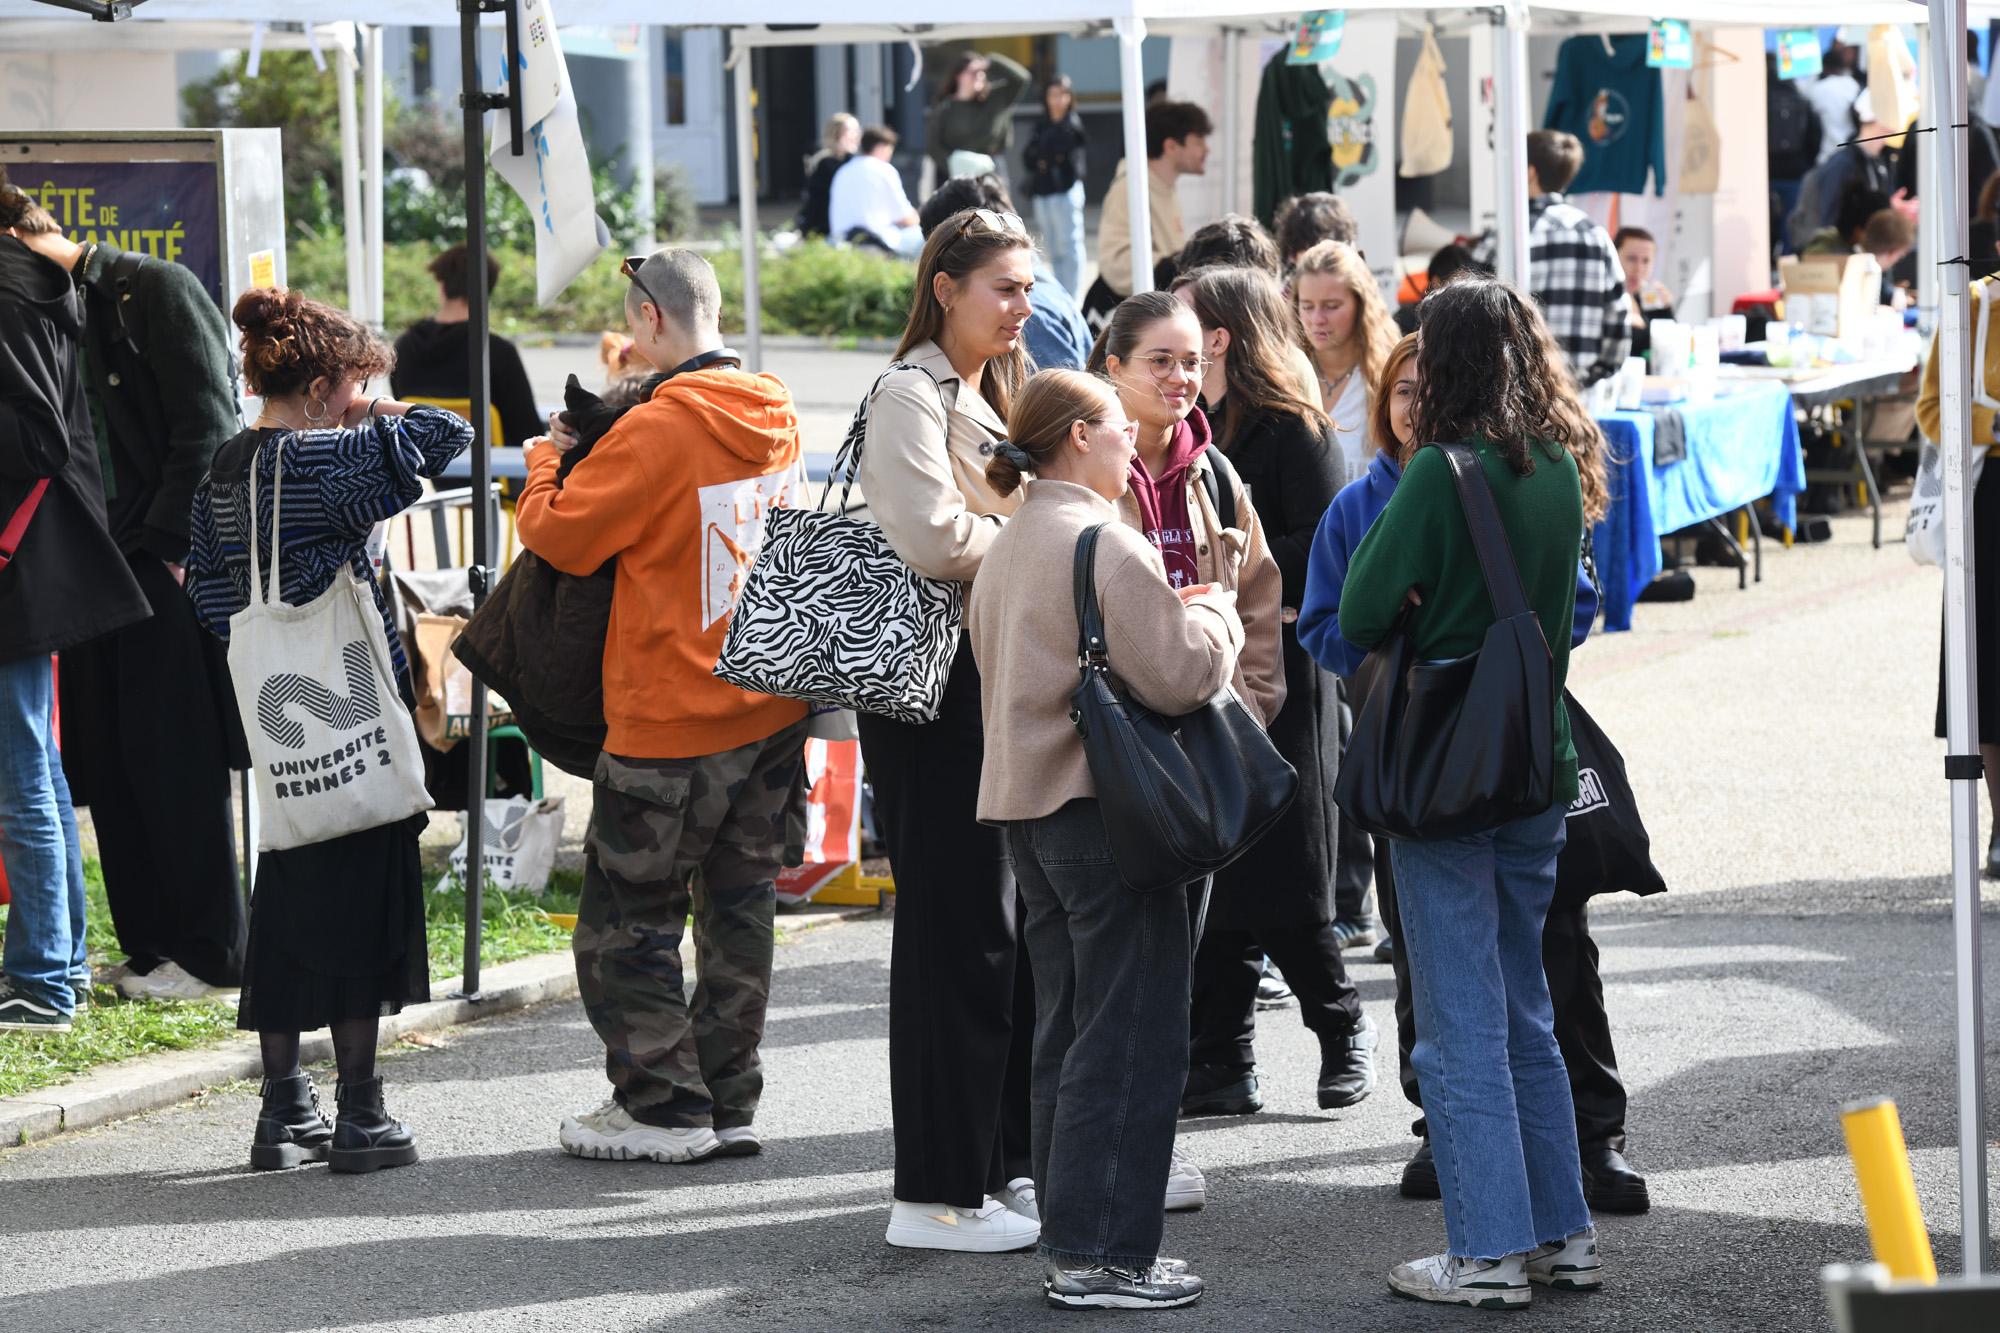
(1163, 503)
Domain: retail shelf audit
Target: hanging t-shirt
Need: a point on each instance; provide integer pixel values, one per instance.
(1607, 97)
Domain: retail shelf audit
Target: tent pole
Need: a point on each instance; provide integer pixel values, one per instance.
(371, 151)
(1232, 90)
(1960, 654)
(1138, 174)
(1928, 235)
(746, 204)
(1510, 128)
(345, 68)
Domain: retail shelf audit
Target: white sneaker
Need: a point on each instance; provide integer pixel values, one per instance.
(168, 981)
(610, 1134)
(1020, 1197)
(738, 1141)
(1186, 1189)
(991, 1228)
(1484, 1284)
(1570, 1265)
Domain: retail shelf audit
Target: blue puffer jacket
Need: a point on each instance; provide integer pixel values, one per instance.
(1345, 523)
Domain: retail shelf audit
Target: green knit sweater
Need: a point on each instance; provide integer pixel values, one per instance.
(1421, 541)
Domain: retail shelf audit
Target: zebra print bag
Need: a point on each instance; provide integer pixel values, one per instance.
(832, 615)
(333, 747)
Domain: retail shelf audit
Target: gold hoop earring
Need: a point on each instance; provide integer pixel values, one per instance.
(315, 417)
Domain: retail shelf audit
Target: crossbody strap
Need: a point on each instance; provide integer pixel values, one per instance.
(1090, 646)
(1221, 479)
(17, 525)
(1489, 536)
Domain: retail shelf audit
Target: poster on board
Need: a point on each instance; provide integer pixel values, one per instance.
(163, 209)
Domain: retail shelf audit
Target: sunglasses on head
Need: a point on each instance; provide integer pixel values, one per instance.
(630, 268)
(1007, 224)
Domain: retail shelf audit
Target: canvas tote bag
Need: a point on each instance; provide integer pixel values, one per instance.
(333, 748)
(1426, 115)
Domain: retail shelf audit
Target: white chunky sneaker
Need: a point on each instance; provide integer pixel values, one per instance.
(610, 1134)
(1186, 1190)
(168, 981)
(1570, 1265)
(1020, 1197)
(738, 1141)
(991, 1228)
(1484, 1284)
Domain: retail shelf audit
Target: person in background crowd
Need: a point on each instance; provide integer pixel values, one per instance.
(1278, 898)
(150, 728)
(1843, 236)
(1111, 967)
(974, 112)
(1236, 241)
(336, 927)
(867, 204)
(1833, 96)
(1573, 267)
(1306, 220)
(961, 997)
(1984, 540)
(840, 141)
(1347, 323)
(699, 794)
(1445, 264)
(1472, 909)
(1056, 158)
(1176, 146)
(1860, 165)
(1646, 297)
(433, 359)
(64, 582)
(1569, 955)
(1056, 336)
(1793, 137)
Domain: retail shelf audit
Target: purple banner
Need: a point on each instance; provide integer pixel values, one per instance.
(163, 209)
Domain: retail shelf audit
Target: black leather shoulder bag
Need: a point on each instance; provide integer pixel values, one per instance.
(1447, 749)
(1181, 797)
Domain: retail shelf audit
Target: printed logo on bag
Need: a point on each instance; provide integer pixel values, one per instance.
(357, 708)
(1590, 794)
(732, 532)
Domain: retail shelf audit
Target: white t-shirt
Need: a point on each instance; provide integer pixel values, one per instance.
(868, 192)
(1350, 427)
(1833, 98)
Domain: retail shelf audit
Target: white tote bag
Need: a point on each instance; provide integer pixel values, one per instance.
(1426, 114)
(334, 749)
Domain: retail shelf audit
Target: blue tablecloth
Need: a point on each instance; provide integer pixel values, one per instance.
(1741, 447)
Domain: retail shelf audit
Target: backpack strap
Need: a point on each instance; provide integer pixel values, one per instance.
(1221, 482)
(130, 311)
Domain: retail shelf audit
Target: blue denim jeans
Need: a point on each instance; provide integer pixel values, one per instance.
(44, 948)
(1111, 1040)
(1495, 1090)
(1059, 218)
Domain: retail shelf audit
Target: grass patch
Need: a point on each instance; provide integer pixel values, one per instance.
(115, 1028)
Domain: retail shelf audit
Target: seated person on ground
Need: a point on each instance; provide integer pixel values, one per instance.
(868, 205)
(433, 359)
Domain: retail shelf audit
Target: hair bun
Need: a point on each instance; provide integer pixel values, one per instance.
(261, 308)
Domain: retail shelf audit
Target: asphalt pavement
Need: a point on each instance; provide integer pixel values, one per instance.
(1779, 740)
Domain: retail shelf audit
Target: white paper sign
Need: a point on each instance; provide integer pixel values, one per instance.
(552, 174)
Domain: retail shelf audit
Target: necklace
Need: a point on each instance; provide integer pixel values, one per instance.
(1331, 390)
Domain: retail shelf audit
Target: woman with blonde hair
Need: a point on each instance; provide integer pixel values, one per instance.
(1110, 965)
(960, 1000)
(839, 141)
(1350, 330)
(1278, 900)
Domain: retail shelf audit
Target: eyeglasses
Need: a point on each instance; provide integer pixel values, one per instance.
(1007, 224)
(630, 268)
(1162, 364)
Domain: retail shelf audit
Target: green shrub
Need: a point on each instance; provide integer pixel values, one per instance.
(821, 290)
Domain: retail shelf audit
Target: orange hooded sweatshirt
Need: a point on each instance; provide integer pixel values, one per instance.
(677, 492)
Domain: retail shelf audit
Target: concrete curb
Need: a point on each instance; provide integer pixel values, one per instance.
(773, 342)
(151, 1082)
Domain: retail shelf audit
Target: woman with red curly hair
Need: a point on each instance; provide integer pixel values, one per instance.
(336, 927)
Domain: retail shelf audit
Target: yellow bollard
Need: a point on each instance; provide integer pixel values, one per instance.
(1888, 1191)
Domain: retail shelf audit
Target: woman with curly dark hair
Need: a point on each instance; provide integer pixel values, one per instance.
(336, 927)
(1496, 1094)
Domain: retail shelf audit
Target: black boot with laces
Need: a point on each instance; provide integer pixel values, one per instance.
(365, 1138)
(291, 1129)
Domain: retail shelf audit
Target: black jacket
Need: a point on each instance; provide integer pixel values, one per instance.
(167, 404)
(1292, 472)
(818, 195)
(434, 360)
(1055, 155)
(67, 583)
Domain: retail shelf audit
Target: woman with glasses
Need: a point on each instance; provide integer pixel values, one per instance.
(1111, 965)
(961, 1002)
(1277, 900)
(1350, 329)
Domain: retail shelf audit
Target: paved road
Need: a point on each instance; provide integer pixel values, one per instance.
(1779, 738)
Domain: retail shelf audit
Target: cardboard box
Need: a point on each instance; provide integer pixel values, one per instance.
(1832, 296)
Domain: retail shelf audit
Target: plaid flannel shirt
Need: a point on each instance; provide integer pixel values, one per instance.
(1574, 272)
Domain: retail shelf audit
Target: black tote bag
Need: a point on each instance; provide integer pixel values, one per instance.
(1609, 850)
(1181, 797)
(1447, 749)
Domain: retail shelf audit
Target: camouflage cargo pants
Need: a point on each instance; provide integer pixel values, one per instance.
(667, 834)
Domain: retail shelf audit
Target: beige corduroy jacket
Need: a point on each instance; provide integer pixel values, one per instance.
(1022, 617)
(923, 469)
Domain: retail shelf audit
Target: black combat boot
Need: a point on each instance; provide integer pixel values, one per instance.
(291, 1129)
(364, 1137)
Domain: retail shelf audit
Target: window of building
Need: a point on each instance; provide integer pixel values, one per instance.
(674, 62)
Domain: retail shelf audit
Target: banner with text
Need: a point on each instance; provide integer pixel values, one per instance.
(163, 209)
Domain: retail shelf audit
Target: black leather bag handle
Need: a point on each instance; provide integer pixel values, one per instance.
(1489, 535)
(1090, 647)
